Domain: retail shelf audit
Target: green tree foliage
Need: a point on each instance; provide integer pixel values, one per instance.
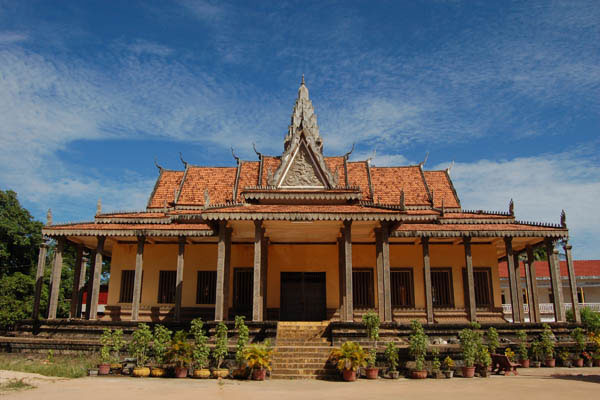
(16, 298)
(20, 236)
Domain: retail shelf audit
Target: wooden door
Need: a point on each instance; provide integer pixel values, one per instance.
(243, 284)
(303, 296)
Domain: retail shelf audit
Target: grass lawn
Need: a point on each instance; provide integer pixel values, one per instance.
(14, 385)
(66, 366)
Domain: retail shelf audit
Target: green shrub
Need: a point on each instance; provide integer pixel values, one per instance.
(493, 339)
(590, 320)
(139, 346)
(243, 337)
(468, 344)
(160, 344)
(578, 335)
(201, 351)
(220, 351)
(547, 341)
(522, 349)
(418, 344)
(350, 356)
(106, 342)
(180, 351)
(391, 355)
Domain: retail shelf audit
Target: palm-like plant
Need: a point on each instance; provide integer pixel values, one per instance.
(180, 352)
(350, 356)
(258, 356)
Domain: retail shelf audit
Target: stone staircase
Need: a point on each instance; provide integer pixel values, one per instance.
(301, 352)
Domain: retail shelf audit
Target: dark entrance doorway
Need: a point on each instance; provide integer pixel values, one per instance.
(243, 283)
(303, 296)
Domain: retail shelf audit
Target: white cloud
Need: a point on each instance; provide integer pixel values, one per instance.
(12, 37)
(145, 47)
(541, 186)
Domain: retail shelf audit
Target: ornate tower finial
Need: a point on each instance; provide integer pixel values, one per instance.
(402, 201)
(99, 207)
(49, 217)
(563, 219)
(302, 83)
(511, 207)
(304, 120)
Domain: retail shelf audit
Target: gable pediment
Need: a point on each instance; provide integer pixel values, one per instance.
(302, 171)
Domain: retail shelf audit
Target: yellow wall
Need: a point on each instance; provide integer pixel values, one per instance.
(293, 258)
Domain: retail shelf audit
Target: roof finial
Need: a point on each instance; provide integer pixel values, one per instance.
(258, 153)
(511, 207)
(182, 160)
(302, 83)
(99, 207)
(237, 159)
(563, 219)
(160, 169)
(450, 167)
(422, 163)
(49, 217)
(350, 152)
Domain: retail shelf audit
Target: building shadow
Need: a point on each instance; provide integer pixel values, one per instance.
(580, 378)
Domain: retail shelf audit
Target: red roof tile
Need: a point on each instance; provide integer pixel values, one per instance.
(165, 187)
(337, 164)
(357, 176)
(439, 182)
(388, 182)
(582, 268)
(218, 180)
(248, 176)
(269, 164)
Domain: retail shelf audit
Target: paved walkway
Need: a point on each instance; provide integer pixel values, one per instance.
(558, 383)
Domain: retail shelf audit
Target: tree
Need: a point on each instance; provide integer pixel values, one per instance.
(20, 236)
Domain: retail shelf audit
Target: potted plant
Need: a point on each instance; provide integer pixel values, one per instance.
(536, 353)
(436, 365)
(372, 322)
(220, 351)
(139, 348)
(348, 359)
(391, 355)
(180, 354)
(468, 345)
(105, 352)
(258, 357)
(418, 349)
(493, 339)
(160, 347)
(201, 351)
(448, 366)
(243, 336)
(484, 360)
(595, 339)
(580, 339)
(547, 341)
(522, 349)
(587, 359)
(117, 345)
(564, 358)
(510, 354)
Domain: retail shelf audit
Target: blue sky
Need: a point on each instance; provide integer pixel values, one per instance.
(91, 92)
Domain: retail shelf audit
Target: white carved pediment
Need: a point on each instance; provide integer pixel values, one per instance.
(302, 171)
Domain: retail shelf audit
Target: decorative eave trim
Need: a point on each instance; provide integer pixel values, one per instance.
(483, 212)
(475, 233)
(141, 220)
(160, 174)
(291, 216)
(452, 187)
(301, 196)
(541, 224)
(465, 221)
(368, 164)
(429, 195)
(237, 179)
(128, 232)
(176, 198)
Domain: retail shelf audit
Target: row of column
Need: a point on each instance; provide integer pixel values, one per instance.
(516, 290)
(79, 276)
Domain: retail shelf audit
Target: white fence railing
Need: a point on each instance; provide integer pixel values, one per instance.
(548, 308)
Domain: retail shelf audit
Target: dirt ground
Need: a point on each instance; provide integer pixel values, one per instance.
(558, 383)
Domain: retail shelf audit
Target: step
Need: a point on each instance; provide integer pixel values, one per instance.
(303, 371)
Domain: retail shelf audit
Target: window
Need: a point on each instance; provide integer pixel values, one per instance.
(127, 282)
(401, 281)
(166, 286)
(441, 287)
(207, 287)
(482, 278)
(362, 288)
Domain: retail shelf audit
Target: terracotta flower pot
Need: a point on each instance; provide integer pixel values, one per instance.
(220, 373)
(201, 373)
(141, 372)
(371, 373)
(578, 362)
(418, 374)
(468, 372)
(550, 363)
(157, 372)
(525, 363)
(103, 369)
(259, 374)
(449, 373)
(349, 375)
(596, 362)
(181, 372)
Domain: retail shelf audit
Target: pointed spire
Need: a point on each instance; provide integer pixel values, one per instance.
(49, 217)
(303, 120)
(99, 207)
(302, 83)
(563, 219)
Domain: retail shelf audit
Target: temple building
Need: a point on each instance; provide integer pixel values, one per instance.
(302, 236)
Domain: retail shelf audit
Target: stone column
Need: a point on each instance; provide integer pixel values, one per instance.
(90, 280)
(137, 280)
(387, 289)
(257, 299)
(223, 257)
(427, 279)
(55, 279)
(82, 276)
(472, 306)
(342, 278)
(514, 295)
(39, 280)
(379, 263)
(179, 279)
(264, 271)
(347, 237)
(519, 287)
(76, 281)
(534, 303)
(95, 279)
(572, 282)
(559, 312)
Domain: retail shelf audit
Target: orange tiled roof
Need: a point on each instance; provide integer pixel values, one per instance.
(269, 164)
(337, 164)
(439, 182)
(218, 180)
(164, 189)
(248, 176)
(388, 182)
(357, 176)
